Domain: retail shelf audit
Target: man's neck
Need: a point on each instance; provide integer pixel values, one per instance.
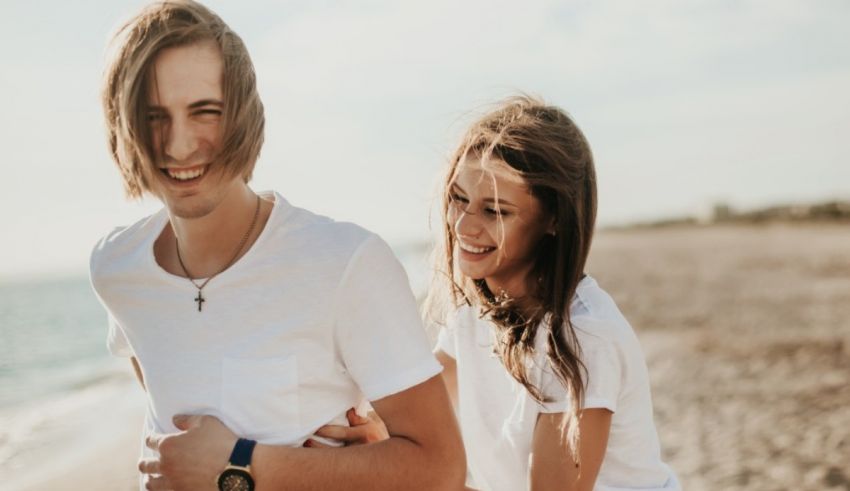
(208, 244)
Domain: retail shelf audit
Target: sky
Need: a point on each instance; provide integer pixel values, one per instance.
(685, 104)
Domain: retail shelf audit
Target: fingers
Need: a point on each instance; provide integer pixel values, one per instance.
(340, 433)
(154, 440)
(362, 430)
(310, 443)
(158, 483)
(184, 422)
(149, 466)
(355, 419)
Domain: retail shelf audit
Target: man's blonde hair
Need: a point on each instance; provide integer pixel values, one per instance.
(125, 90)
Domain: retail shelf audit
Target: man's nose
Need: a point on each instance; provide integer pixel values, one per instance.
(181, 141)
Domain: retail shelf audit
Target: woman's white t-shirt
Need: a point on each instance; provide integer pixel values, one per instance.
(498, 415)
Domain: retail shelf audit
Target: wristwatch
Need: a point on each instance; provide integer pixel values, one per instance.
(237, 475)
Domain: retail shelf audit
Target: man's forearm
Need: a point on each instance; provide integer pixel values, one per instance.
(393, 464)
(424, 451)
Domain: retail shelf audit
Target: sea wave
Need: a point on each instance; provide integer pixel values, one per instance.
(28, 426)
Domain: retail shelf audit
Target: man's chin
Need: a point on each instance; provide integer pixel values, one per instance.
(190, 208)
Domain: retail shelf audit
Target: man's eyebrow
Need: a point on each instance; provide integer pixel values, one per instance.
(206, 102)
(194, 105)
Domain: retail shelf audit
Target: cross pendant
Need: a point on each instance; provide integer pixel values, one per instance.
(200, 300)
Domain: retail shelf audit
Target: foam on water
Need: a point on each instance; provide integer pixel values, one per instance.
(27, 427)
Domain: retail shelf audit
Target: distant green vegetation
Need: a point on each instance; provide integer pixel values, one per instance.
(722, 213)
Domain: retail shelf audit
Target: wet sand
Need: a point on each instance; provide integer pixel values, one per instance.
(89, 440)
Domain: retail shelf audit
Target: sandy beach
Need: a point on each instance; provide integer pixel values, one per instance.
(746, 331)
(86, 440)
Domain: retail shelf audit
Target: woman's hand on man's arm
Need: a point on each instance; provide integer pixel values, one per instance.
(361, 430)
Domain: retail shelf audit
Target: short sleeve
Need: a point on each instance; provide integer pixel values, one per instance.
(377, 327)
(116, 341)
(604, 375)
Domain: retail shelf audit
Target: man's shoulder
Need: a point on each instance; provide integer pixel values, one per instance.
(326, 249)
(320, 235)
(125, 242)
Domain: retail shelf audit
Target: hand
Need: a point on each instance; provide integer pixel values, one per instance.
(361, 430)
(191, 459)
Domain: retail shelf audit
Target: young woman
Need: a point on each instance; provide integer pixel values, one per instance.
(547, 376)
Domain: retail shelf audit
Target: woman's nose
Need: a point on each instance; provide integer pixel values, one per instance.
(467, 225)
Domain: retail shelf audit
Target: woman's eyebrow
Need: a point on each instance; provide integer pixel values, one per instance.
(500, 201)
(456, 187)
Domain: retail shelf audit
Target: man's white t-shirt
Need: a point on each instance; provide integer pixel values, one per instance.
(315, 318)
(498, 415)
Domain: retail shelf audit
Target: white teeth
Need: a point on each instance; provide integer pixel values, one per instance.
(185, 175)
(474, 250)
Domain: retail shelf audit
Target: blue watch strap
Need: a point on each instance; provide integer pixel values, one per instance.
(242, 451)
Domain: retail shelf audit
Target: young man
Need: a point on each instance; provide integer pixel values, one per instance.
(250, 322)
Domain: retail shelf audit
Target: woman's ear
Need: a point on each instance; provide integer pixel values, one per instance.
(550, 227)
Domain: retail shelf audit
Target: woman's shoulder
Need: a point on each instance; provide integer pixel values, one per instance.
(596, 318)
(463, 315)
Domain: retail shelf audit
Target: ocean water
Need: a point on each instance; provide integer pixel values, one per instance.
(52, 339)
(53, 362)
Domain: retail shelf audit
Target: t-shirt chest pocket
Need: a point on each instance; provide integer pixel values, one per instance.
(260, 397)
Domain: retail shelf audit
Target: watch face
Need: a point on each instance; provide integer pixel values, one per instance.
(235, 480)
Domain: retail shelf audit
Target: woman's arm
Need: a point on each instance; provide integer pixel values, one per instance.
(552, 464)
(449, 375)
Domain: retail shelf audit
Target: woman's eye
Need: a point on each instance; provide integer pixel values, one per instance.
(457, 197)
(152, 117)
(498, 213)
(212, 112)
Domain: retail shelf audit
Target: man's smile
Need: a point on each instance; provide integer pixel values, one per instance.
(185, 174)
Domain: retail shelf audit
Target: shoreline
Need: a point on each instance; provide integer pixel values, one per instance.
(87, 439)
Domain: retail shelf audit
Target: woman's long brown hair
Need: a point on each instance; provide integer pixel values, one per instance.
(546, 148)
